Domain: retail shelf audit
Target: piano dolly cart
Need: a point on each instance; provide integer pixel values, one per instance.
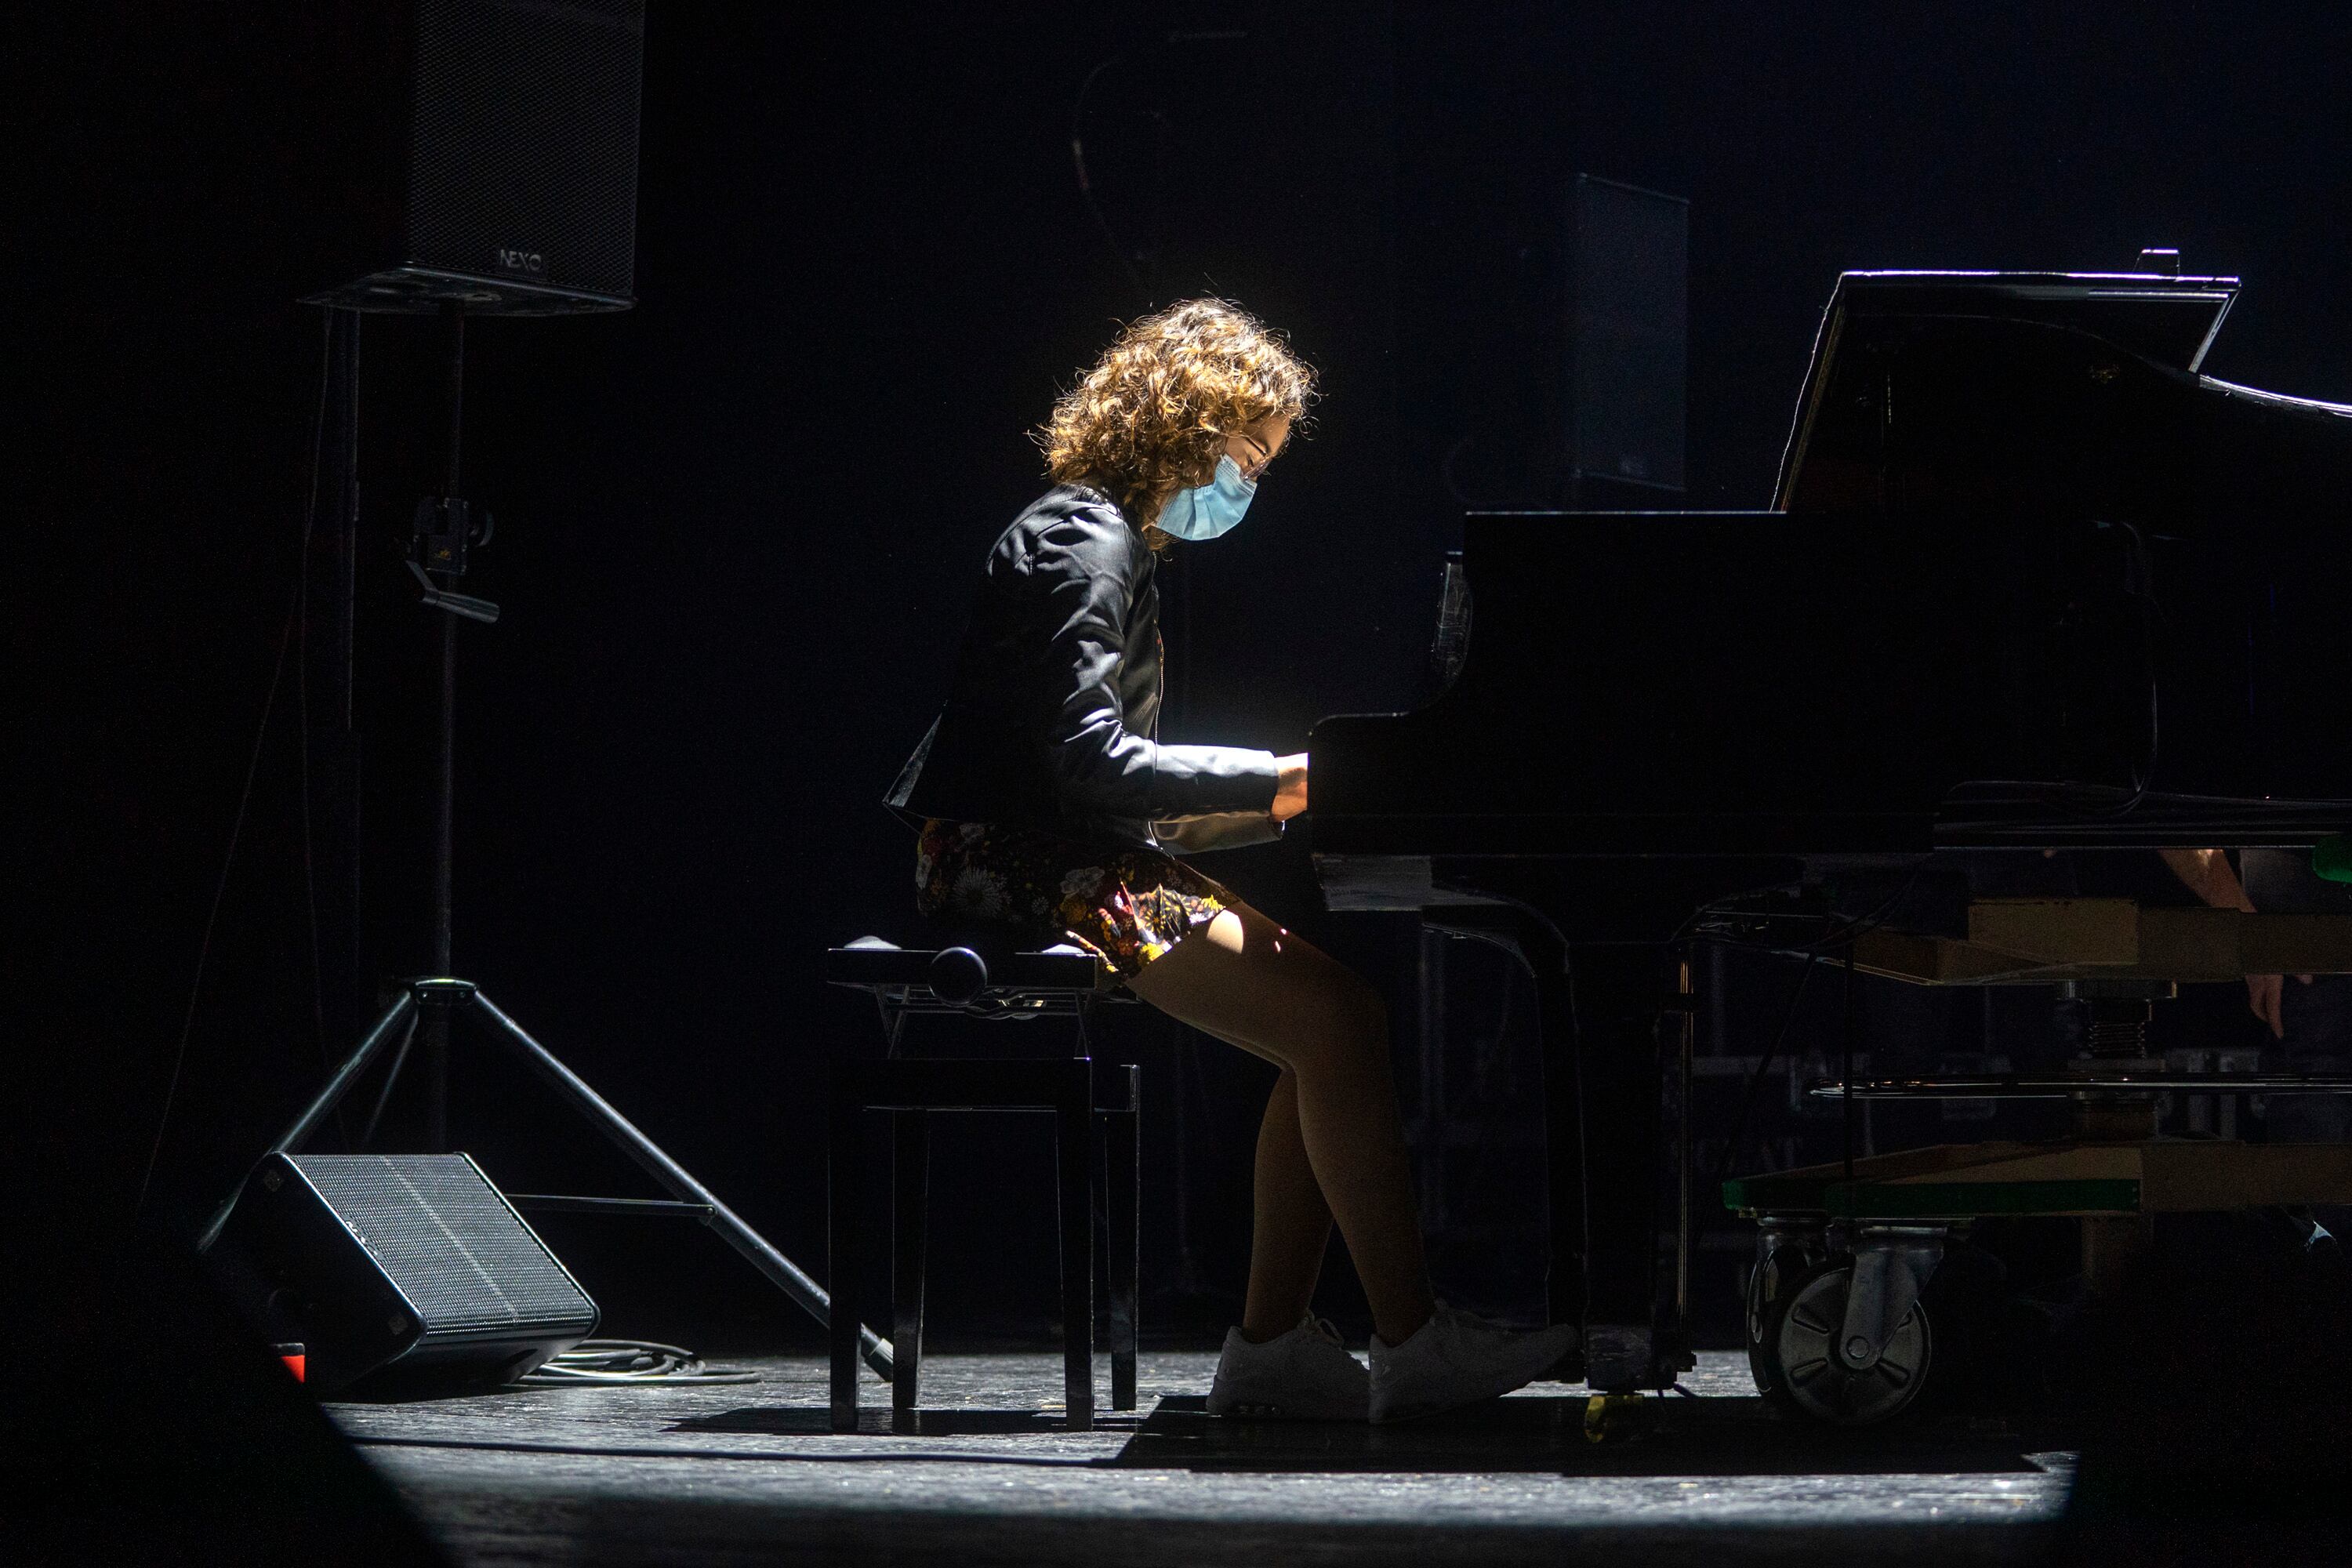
(1836, 1329)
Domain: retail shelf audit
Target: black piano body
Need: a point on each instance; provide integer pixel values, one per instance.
(2031, 582)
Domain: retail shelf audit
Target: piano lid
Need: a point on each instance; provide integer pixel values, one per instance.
(2166, 322)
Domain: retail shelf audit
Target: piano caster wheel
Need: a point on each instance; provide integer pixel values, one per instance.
(1789, 1251)
(1799, 1364)
(1766, 1284)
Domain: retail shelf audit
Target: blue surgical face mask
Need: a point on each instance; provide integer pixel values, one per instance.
(1207, 511)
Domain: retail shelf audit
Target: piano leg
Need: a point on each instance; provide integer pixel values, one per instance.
(1534, 941)
(1612, 1199)
(1600, 941)
(1633, 1327)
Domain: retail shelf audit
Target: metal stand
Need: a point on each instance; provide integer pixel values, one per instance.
(436, 1001)
(446, 529)
(447, 561)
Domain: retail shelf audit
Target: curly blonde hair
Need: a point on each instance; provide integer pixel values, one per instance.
(1156, 409)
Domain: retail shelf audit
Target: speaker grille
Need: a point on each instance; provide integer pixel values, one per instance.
(437, 1225)
(523, 148)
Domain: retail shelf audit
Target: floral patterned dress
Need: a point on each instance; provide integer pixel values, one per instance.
(1127, 906)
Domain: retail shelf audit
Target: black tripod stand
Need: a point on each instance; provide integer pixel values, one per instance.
(446, 530)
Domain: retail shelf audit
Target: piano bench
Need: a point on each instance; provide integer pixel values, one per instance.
(1096, 1111)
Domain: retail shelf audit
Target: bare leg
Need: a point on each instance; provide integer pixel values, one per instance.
(1244, 980)
(1291, 1224)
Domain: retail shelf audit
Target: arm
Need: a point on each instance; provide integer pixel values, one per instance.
(1234, 829)
(2208, 875)
(1084, 572)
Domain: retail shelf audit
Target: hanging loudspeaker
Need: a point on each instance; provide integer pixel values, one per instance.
(477, 152)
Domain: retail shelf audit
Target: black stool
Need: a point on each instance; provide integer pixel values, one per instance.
(1094, 1114)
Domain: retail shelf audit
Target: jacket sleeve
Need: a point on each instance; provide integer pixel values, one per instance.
(1225, 830)
(1086, 572)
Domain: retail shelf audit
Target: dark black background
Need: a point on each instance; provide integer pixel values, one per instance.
(738, 522)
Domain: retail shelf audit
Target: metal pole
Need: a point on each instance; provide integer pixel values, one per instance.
(332, 743)
(326, 1101)
(780, 1270)
(437, 1020)
(384, 1095)
(1682, 1156)
(1846, 1065)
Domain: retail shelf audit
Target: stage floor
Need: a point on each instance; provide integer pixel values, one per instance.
(736, 1473)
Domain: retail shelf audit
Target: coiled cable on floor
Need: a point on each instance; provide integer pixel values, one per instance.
(594, 1363)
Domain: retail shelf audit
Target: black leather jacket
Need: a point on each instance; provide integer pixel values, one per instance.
(1053, 718)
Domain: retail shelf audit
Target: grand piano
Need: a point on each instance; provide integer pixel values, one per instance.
(2029, 582)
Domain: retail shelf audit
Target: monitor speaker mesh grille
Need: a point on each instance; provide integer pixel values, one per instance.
(448, 1240)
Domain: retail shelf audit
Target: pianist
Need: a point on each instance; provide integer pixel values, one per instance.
(1048, 807)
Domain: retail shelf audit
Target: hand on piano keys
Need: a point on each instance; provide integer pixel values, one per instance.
(1290, 795)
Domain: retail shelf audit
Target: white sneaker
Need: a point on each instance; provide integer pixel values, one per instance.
(1457, 1359)
(1306, 1374)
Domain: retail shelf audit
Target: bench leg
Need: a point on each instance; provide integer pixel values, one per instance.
(1074, 1163)
(911, 1164)
(1122, 1168)
(842, 1166)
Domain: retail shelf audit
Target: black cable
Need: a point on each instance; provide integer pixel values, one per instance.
(244, 801)
(602, 1364)
(1863, 924)
(1809, 954)
(1085, 184)
(1833, 936)
(1763, 1067)
(1078, 148)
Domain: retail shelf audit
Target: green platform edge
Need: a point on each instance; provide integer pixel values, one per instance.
(1929, 1200)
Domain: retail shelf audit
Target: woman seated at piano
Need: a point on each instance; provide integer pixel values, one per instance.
(1049, 809)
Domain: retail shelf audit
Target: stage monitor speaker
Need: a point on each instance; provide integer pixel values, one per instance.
(482, 152)
(1628, 336)
(409, 1271)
